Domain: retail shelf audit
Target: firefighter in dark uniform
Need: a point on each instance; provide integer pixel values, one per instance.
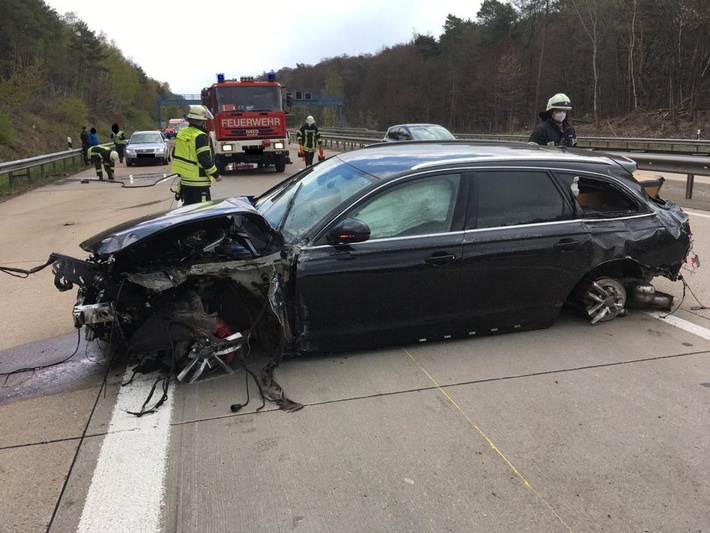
(555, 129)
(119, 139)
(192, 158)
(309, 140)
(103, 155)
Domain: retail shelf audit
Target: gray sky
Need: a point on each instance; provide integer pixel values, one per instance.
(240, 38)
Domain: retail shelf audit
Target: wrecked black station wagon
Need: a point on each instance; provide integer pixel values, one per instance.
(393, 243)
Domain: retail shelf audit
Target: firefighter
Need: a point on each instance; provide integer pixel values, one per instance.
(309, 140)
(119, 139)
(555, 129)
(193, 160)
(103, 155)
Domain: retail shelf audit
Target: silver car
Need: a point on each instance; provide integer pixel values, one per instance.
(418, 132)
(147, 146)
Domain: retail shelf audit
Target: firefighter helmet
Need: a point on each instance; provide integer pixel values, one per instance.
(114, 155)
(559, 101)
(310, 120)
(199, 112)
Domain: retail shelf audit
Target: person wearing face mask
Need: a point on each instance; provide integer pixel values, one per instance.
(555, 129)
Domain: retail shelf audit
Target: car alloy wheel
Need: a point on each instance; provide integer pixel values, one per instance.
(604, 299)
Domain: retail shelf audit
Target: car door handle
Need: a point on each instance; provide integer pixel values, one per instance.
(566, 245)
(440, 258)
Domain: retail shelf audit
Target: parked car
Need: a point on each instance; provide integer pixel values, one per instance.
(392, 243)
(147, 146)
(417, 132)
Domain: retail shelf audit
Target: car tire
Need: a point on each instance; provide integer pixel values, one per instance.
(604, 299)
(280, 163)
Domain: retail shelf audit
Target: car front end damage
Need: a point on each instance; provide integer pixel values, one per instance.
(190, 285)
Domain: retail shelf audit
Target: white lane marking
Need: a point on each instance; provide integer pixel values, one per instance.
(696, 214)
(127, 490)
(682, 324)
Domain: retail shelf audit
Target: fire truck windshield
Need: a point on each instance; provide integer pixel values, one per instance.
(248, 99)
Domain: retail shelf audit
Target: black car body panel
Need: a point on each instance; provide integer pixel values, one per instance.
(151, 227)
(393, 243)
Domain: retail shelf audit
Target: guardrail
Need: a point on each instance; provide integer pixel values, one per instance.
(693, 163)
(23, 168)
(688, 156)
(626, 144)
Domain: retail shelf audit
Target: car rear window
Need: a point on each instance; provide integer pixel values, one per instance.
(512, 197)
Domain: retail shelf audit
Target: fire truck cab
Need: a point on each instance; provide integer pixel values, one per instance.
(249, 125)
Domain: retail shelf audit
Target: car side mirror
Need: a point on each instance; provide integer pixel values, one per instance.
(349, 231)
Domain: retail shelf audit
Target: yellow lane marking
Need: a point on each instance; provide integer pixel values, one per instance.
(489, 441)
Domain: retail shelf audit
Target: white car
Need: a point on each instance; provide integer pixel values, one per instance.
(147, 146)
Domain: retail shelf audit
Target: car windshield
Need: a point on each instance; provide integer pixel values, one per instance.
(246, 98)
(427, 132)
(147, 137)
(301, 203)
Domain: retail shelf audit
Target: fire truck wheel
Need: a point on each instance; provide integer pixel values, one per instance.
(280, 163)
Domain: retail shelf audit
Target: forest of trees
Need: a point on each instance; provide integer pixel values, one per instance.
(622, 62)
(613, 58)
(57, 75)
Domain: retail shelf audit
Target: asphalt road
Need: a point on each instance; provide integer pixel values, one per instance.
(572, 428)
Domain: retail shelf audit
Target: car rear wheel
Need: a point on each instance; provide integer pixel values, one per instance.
(604, 299)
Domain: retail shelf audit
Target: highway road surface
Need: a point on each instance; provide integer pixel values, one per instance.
(573, 428)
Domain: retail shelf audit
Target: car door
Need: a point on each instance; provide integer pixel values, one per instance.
(523, 251)
(398, 286)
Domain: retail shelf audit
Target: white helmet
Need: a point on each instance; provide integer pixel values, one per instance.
(199, 112)
(559, 101)
(310, 120)
(114, 155)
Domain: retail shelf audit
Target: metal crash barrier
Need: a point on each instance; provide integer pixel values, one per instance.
(679, 156)
(688, 156)
(24, 169)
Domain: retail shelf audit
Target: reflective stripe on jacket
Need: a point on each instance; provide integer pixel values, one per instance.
(192, 158)
(101, 150)
(309, 137)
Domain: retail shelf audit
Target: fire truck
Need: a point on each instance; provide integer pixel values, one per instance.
(249, 125)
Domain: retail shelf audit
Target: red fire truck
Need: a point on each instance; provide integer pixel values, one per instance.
(249, 125)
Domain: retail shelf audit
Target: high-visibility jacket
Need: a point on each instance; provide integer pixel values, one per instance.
(100, 150)
(120, 137)
(192, 158)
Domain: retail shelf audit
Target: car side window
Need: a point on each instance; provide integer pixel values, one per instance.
(393, 133)
(419, 207)
(513, 197)
(599, 198)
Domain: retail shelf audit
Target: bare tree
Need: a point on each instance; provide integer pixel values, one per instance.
(590, 28)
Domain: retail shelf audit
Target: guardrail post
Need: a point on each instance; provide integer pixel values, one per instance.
(689, 186)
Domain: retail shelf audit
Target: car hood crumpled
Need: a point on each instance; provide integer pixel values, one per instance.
(251, 225)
